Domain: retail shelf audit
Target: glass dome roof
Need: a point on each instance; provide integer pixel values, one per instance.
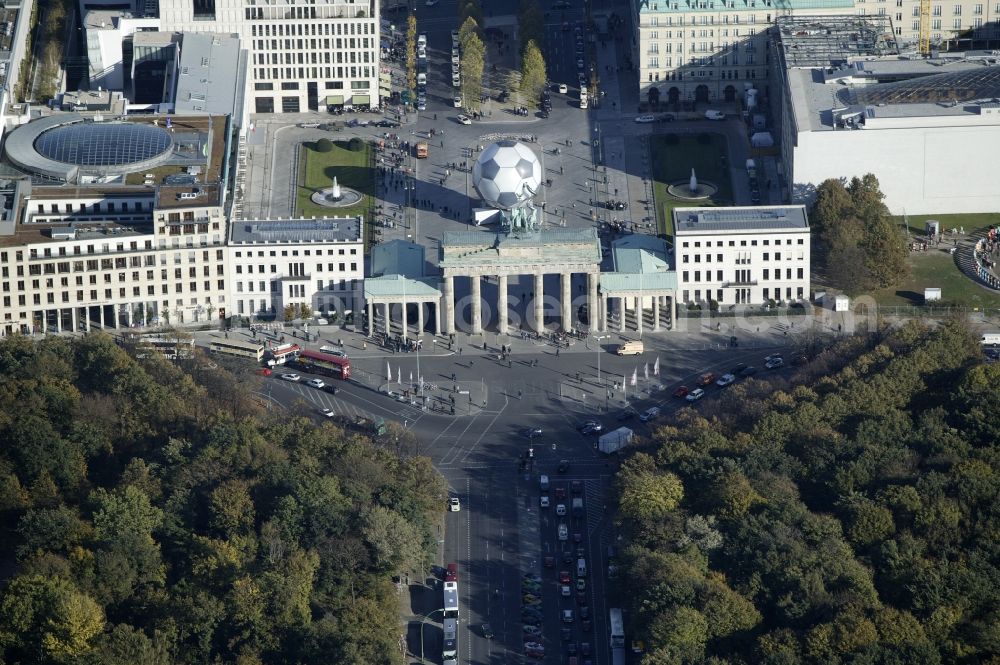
(103, 144)
(960, 86)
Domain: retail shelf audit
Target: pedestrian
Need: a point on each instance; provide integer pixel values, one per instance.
(459, 350)
(557, 353)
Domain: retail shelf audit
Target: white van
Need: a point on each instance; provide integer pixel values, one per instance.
(633, 348)
(543, 483)
(581, 567)
(990, 339)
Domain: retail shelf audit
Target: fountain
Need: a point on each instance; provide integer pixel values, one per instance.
(336, 196)
(692, 190)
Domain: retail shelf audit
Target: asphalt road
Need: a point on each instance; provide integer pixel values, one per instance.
(501, 532)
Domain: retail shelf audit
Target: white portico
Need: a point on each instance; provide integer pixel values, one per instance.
(642, 280)
(478, 254)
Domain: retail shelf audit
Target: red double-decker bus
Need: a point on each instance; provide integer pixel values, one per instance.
(315, 362)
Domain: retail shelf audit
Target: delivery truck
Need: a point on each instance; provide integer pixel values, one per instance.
(614, 441)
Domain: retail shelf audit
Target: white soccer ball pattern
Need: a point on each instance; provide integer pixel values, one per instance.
(506, 174)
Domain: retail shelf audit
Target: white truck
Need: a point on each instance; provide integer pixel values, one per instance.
(614, 441)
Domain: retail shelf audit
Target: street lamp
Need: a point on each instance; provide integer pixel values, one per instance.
(422, 623)
(598, 338)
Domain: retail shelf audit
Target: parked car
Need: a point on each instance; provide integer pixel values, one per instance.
(543, 501)
(563, 88)
(774, 363)
(561, 509)
(454, 505)
(316, 383)
(563, 532)
(464, 119)
(290, 377)
(564, 577)
(715, 115)
(695, 395)
(451, 573)
(748, 371)
(706, 379)
(644, 119)
(649, 414)
(681, 391)
(327, 413)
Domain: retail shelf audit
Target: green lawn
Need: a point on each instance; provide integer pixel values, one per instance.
(673, 162)
(316, 171)
(971, 222)
(936, 268)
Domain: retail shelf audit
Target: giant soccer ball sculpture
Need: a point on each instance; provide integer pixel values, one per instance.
(507, 174)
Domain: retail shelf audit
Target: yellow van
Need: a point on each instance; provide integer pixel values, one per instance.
(633, 348)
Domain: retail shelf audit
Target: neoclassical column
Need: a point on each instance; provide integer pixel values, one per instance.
(502, 304)
(356, 306)
(656, 313)
(371, 318)
(437, 317)
(638, 313)
(420, 318)
(386, 317)
(602, 321)
(477, 304)
(621, 314)
(449, 305)
(565, 301)
(593, 307)
(673, 311)
(539, 302)
(406, 325)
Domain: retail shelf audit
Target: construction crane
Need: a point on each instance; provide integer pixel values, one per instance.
(925, 27)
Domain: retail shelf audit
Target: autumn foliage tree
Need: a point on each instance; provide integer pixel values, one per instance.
(864, 248)
(844, 514)
(151, 517)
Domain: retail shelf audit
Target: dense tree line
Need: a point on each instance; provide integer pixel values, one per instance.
(152, 516)
(847, 513)
(863, 247)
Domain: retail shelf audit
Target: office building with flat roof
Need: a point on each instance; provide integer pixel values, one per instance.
(304, 55)
(279, 265)
(742, 255)
(929, 129)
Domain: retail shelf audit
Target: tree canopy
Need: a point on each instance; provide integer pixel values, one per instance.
(154, 516)
(846, 513)
(863, 247)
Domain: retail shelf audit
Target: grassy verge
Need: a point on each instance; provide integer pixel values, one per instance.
(673, 157)
(316, 172)
(937, 269)
(970, 221)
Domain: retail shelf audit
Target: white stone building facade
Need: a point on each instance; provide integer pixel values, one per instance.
(304, 54)
(742, 255)
(274, 264)
(711, 51)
